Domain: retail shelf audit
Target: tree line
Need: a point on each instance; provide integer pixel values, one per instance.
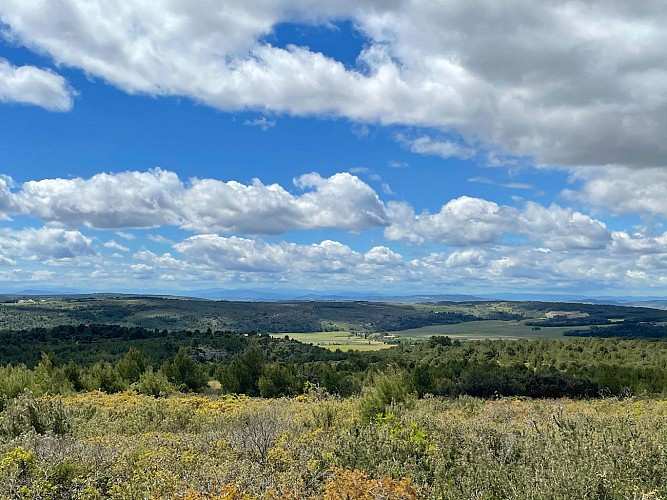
(114, 358)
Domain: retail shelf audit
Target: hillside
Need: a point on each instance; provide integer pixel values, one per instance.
(174, 313)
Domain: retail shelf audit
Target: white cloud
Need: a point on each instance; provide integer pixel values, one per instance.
(7, 200)
(562, 228)
(444, 148)
(158, 238)
(621, 190)
(461, 222)
(467, 221)
(6, 261)
(382, 256)
(564, 82)
(116, 246)
(398, 164)
(108, 201)
(342, 201)
(42, 275)
(486, 269)
(465, 258)
(360, 131)
(638, 243)
(328, 258)
(238, 254)
(481, 180)
(508, 185)
(159, 198)
(517, 185)
(68, 256)
(30, 85)
(263, 123)
(46, 243)
(125, 235)
(386, 189)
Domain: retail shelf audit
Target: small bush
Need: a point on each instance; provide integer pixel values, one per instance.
(391, 388)
(153, 384)
(25, 414)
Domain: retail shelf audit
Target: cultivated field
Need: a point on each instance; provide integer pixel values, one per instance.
(336, 340)
(489, 329)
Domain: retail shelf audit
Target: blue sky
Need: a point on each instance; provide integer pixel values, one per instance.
(454, 147)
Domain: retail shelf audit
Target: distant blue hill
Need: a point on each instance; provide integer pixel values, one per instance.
(315, 295)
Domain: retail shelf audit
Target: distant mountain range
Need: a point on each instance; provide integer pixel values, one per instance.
(313, 295)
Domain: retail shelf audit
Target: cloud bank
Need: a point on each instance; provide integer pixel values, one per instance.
(158, 198)
(565, 83)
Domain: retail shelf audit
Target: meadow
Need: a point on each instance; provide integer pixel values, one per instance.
(336, 340)
(487, 329)
(469, 330)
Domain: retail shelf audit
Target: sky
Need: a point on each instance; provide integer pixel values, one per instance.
(398, 147)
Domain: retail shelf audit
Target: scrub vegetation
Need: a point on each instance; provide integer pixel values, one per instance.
(127, 446)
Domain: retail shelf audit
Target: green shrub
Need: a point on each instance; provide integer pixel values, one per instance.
(153, 384)
(393, 387)
(278, 380)
(185, 372)
(104, 377)
(25, 414)
(15, 379)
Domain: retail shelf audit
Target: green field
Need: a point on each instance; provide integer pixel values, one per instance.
(474, 330)
(471, 330)
(335, 340)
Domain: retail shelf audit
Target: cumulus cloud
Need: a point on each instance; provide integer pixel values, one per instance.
(621, 190)
(562, 228)
(460, 222)
(638, 243)
(257, 256)
(342, 201)
(159, 198)
(567, 83)
(108, 201)
(467, 221)
(30, 85)
(633, 260)
(125, 235)
(465, 258)
(493, 267)
(158, 238)
(7, 199)
(46, 243)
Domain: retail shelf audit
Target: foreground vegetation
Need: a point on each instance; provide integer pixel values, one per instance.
(129, 446)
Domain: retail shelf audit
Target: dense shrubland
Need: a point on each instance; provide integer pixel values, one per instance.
(127, 446)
